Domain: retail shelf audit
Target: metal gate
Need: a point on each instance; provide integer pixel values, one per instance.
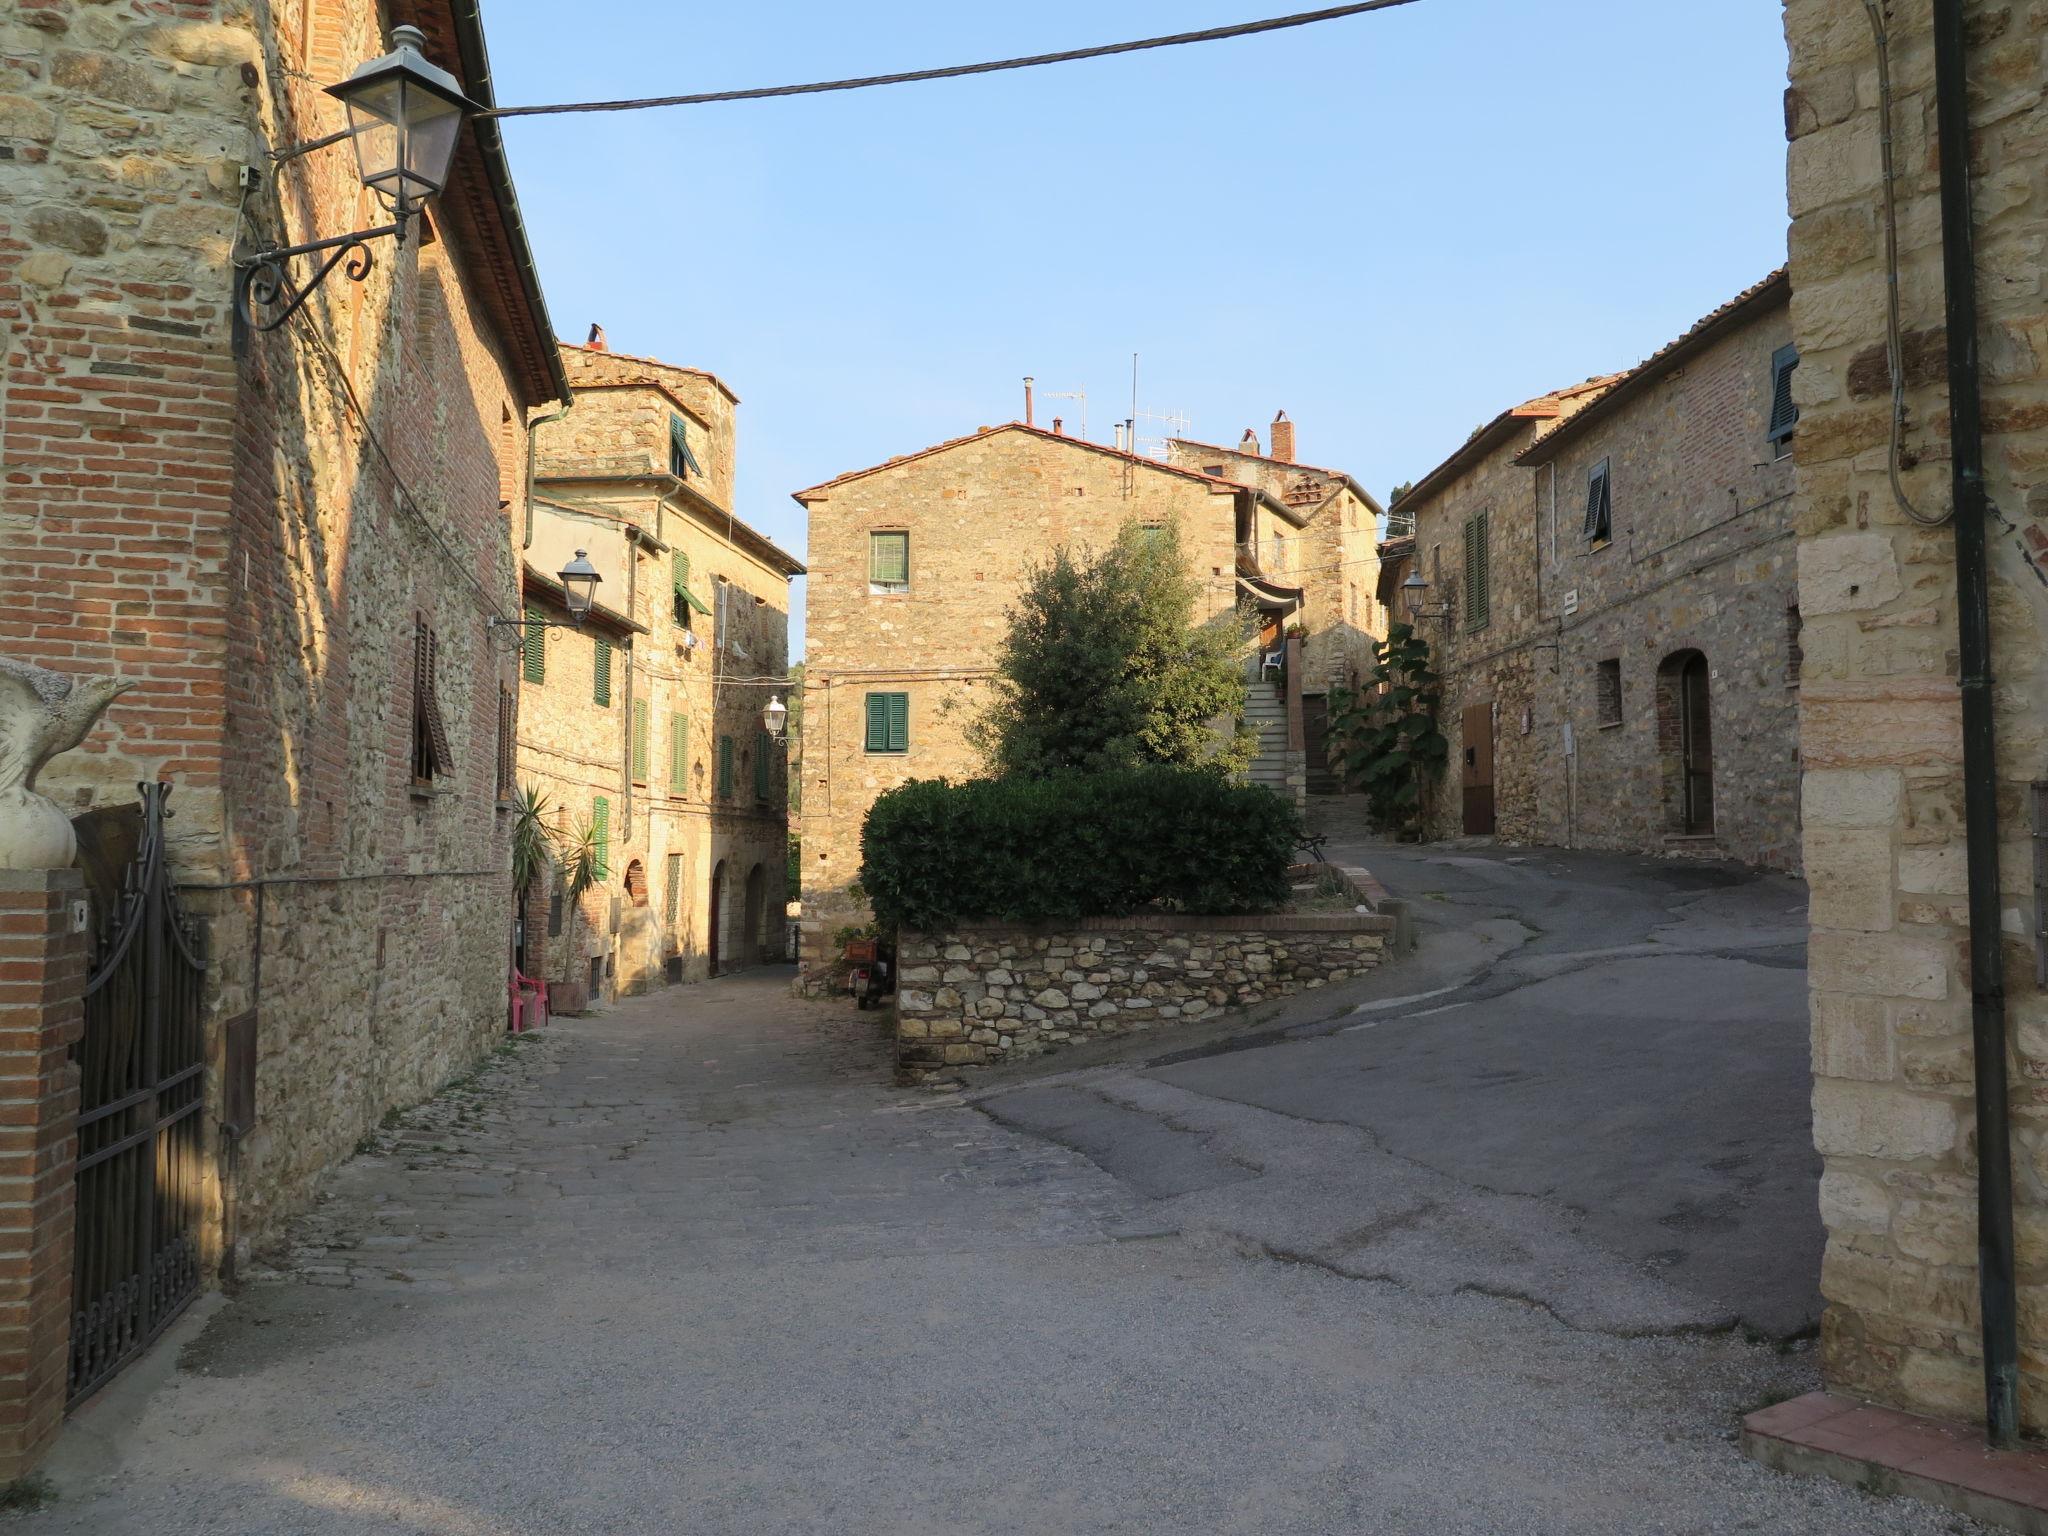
(142, 1085)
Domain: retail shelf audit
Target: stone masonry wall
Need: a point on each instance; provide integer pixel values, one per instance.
(978, 513)
(1888, 958)
(987, 992)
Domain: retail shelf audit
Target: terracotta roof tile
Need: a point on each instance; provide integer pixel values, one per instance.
(1035, 431)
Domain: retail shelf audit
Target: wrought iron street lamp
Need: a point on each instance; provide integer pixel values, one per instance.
(405, 119)
(1413, 591)
(775, 718)
(579, 579)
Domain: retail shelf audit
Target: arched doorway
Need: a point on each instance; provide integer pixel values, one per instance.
(1685, 740)
(757, 895)
(717, 915)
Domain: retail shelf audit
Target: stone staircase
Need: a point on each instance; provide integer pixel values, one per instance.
(1266, 711)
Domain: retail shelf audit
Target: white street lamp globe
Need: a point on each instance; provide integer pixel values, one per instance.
(776, 716)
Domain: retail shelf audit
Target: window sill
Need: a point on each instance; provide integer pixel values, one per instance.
(1609, 725)
(1594, 546)
(425, 793)
(884, 752)
(888, 591)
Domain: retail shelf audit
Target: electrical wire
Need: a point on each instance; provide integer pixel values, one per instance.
(1893, 345)
(955, 71)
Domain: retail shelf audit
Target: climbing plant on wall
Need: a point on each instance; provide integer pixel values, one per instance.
(1387, 735)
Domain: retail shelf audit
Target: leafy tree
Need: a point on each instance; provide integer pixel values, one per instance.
(1388, 734)
(1104, 667)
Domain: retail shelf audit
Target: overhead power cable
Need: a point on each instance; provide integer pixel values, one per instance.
(954, 71)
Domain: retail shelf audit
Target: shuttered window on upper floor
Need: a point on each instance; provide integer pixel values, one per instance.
(681, 462)
(1599, 504)
(1784, 409)
(1478, 581)
(643, 726)
(889, 562)
(888, 722)
(533, 647)
(601, 671)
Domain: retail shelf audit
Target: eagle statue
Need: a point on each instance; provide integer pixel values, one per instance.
(42, 713)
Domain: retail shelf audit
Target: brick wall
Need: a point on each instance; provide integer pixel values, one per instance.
(978, 513)
(1888, 958)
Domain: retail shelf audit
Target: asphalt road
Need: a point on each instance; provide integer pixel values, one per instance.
(1465, 1264)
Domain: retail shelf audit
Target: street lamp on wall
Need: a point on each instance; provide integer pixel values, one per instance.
(405, 118)
(579, 579)
(1413, 591)
(775, 717)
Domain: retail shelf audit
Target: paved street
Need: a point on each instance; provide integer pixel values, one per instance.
(1509, 1257)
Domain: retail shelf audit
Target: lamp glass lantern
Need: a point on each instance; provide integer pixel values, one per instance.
(775, 717)
(579, 580)
(405, 118)
(1412, 592)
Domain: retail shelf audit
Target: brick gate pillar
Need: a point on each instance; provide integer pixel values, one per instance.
(43, 955)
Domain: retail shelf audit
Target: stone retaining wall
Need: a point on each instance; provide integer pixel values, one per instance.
(986, 992)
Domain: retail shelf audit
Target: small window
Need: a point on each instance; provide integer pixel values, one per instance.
(1478, 586)
(508, 715)
(557, 896)
(672, 889)
(678, 753)
(601, 671)
(1795, 653)
(888, 722)
(431, 758)
(1607, 692)
(1599, 505)
(725, 767)
(643, 726)
(681, 462)
(1213, 469)
(1784, 409)
(533, 648)
(601, 836)
(888, 562)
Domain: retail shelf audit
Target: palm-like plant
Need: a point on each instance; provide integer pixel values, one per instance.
(532, 840)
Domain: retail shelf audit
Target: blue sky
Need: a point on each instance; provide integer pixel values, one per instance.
(1393, 226)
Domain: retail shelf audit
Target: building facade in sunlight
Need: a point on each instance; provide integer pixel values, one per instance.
(914, 564)
(646, 730)
(293, 541)
(1611, 604)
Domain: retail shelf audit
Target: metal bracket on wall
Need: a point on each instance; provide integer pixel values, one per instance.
(2037, 824)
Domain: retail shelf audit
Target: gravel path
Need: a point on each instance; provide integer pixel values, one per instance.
(695, 1266)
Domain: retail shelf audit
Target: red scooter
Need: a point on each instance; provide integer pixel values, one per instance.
(873, 973)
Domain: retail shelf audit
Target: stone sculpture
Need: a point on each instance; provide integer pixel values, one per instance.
(42, 713)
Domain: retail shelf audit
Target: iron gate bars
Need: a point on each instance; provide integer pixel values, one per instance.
(142, 1085)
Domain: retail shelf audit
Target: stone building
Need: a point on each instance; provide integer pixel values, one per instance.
(1333, 557)
(1612, 604)
(648, 730)
(1891, 962)
(914, 563)
(293, 541)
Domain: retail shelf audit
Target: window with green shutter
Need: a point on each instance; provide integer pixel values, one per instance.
(685, 600)
(601, 836)
(1478, 595)
(888, 562)
(642, 725)
(678, 753)
(763, 744)
(888, 722)
(1784, 409)
(601, 672)
(672, 890)
(681, 462)
(534, 648)
(725, 757)
(1599, 505)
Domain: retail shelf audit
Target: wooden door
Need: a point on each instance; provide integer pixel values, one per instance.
(717, 914)
(1696, 746)
(1478, 770)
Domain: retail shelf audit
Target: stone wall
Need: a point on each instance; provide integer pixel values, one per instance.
(986, 992)
(978, 512)
(1888, 960)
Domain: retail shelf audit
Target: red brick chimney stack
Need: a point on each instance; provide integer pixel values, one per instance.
(1249, 443)
(1027, 400)
(596, 341)
(1283, 439)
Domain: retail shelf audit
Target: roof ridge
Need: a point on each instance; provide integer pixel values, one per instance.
(1036, 431)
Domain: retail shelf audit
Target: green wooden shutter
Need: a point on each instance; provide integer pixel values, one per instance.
(642, 725)
(878, 722)
(678, 753)
(899, 722)
(601, 834)
(762, 743)
(1477, 585)
(535, 648)
(601, 673)
(1599, 503)
(672, 889)
(1784, 410)
(889, 557)
(725, 756)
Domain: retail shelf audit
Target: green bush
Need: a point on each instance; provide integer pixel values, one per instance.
(935, 852)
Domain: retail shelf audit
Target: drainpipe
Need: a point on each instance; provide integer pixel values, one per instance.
(1980, 765)
(526, 541)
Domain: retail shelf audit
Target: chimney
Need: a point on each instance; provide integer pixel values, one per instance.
(596, 341)
(1027, 399)
(1249, 443)
(1056, 432)
(1283, 439)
